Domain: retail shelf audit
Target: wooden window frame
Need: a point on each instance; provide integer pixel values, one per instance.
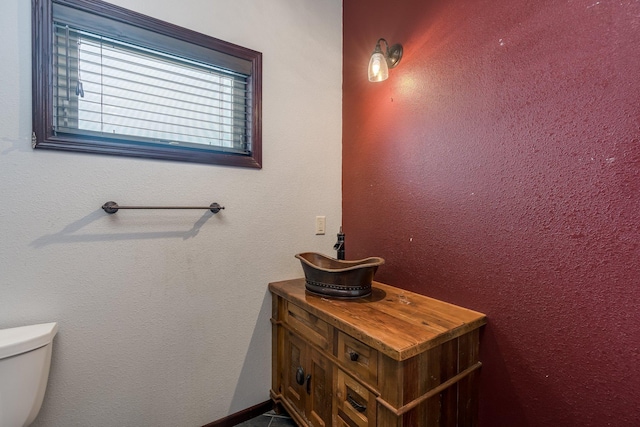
(44, 135)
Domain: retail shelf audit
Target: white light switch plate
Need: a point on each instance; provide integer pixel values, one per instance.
(321, 224)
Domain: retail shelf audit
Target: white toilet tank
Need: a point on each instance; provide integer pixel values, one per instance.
(25, 357)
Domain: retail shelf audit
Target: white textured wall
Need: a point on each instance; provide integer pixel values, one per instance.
(164, 315)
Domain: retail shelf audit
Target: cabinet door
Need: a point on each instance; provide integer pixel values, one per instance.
(319, 388)
(295, 375)
(308, 381)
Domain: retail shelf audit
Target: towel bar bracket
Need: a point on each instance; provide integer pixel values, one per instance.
(113, 207)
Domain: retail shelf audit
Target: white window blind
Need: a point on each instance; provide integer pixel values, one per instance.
(117, 90)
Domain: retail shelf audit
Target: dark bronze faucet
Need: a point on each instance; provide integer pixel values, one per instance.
(339, 246)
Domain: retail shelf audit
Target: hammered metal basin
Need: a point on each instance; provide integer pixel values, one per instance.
(338, 278)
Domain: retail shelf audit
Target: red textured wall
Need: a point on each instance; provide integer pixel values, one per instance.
(499, 169)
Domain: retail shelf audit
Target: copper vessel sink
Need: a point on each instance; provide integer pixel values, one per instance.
(338, 278)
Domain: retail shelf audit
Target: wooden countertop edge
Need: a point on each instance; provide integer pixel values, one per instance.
(395, 353)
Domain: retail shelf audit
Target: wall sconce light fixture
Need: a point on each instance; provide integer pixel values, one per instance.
(380, 63)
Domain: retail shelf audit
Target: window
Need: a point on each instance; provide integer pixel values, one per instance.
(108, 80)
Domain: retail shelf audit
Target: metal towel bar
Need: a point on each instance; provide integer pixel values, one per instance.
(113, 207)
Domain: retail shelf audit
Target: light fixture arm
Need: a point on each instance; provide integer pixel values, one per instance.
(392, 54)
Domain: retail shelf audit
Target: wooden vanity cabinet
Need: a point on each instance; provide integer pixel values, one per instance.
(393, 359)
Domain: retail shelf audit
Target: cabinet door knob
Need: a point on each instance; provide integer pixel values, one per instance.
(300, 375)
(358, 407)
(309, 384)
(353, 355)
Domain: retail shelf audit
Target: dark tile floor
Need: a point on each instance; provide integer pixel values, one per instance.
(269, 419)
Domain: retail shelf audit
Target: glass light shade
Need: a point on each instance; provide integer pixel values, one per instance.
(378, 68)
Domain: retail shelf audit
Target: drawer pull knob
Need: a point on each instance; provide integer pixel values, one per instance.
(358, 407)
(300, 376)
(353, 355)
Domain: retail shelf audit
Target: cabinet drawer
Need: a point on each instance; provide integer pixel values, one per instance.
(356, 406)
(309, 326)
(358, 357)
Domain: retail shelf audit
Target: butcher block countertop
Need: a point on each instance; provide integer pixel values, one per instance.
(402, 323)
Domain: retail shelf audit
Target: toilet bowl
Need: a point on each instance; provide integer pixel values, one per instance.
(25, 357)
